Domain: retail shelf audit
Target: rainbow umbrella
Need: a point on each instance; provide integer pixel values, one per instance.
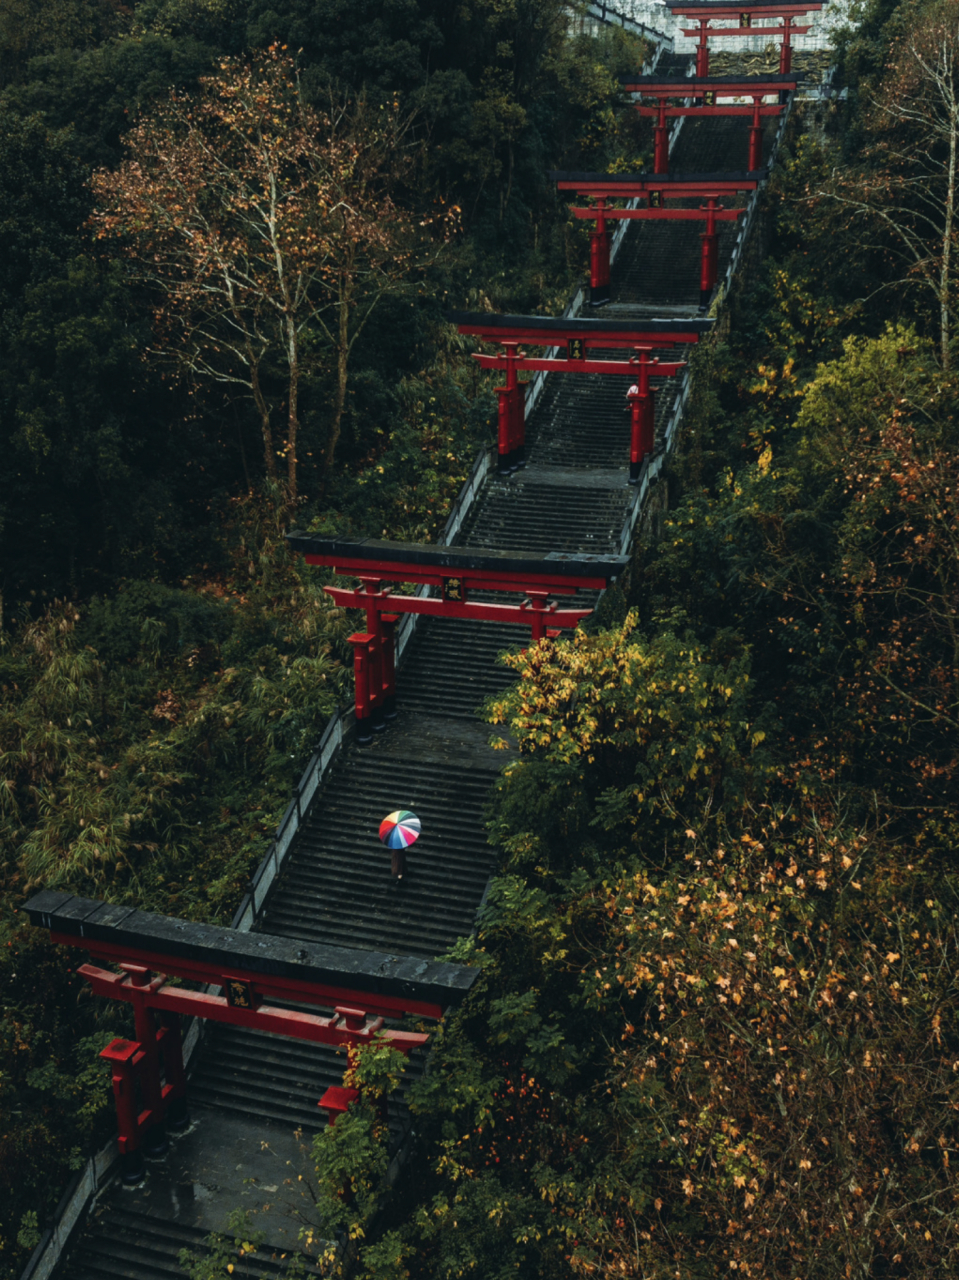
(398, 830)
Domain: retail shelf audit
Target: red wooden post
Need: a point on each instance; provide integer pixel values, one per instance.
(361, 640)
(755, 139)
(599, 245)
(635, 433)
(642, 414)
(504, 427)
(171, 1047)
(785, 53)
(649, 424)
(539, 607)
(518, 426)
(141, 980)
(377, 655)
(710, 254)
(137, 1065)
(337, 1101)
(661, 143)
(702, 49)
(512, 414)
(124, 1057)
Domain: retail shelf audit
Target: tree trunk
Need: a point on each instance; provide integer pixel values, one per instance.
(239, 438)
(293, 356)
(269, 453)
(342, 376)
(944, 334)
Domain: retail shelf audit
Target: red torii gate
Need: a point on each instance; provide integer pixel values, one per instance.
(657, 188)
(149, 1081)
(705, 11)
(707, 92)
(574, 336)
(458, 572)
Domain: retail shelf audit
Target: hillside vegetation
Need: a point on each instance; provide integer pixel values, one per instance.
(716, 1025)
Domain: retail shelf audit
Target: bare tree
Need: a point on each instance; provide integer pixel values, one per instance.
(260, 220)
(908, 195)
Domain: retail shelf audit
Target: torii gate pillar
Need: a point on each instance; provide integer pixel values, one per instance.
(702, 48)
(756, 138)
(374, 671)
(709, 263)
(511, 432)
(661, 141)
(785, 52)
(642, 407)
(599, 252)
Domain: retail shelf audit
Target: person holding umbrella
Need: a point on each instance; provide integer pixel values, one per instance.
(398, 831)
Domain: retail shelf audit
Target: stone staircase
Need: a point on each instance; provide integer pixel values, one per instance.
(136, 1246)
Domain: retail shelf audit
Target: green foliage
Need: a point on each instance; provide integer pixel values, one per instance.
(167, 669)
(352, 1157)
(620, 729)
(28, 1237)
(28, 31)
(147, 746)
(112, 764)
(407, 490)
(54, 1089)
(710, 1031)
